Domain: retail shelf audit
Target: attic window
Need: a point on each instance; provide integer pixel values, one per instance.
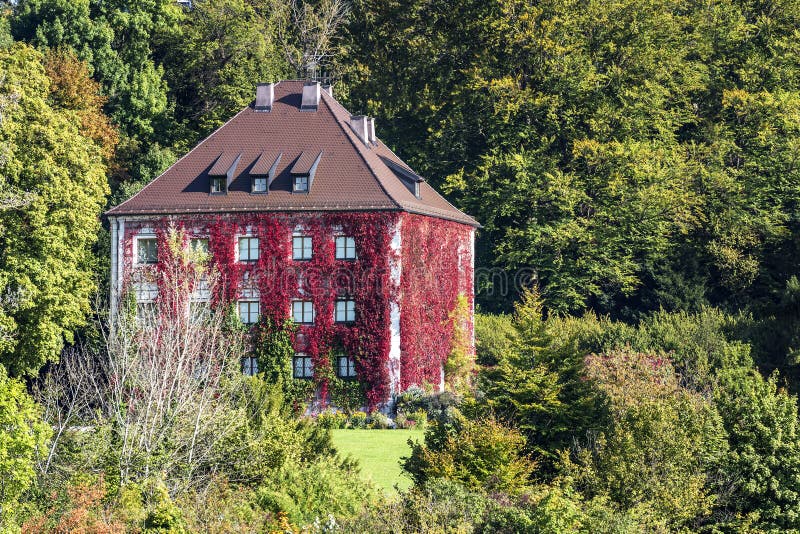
(409, 178)
(262, 173)
(300, 184)
(217, 184)
(223, 171)
(303, 171)
(260, 184)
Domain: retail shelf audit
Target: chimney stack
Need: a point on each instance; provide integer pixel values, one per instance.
(359, 124)
(265, 96)
(310, 97)
(328, 88)
(371, 130)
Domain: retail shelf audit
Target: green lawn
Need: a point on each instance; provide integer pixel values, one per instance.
(378, 452)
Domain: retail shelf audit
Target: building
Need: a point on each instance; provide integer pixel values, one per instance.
(306, 214)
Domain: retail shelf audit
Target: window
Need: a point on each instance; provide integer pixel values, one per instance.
(199, 312)
(301, 247)
(260, 185)
(147, 250)
(217, 184)
(145, 313)
(345, 311)
(303, 366)
(199, 245)
(250, 366)
(199, 250)
(301, 184)
(303, 311)
(345, 367)
(345, 248)
(249, 311)
(248, 248)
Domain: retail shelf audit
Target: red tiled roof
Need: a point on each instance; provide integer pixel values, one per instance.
(349, 176)
(264, 163)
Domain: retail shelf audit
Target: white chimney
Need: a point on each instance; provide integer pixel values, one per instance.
(265, 96)
(328, 89)
(359, 124)
(371, 130)
(310, 97)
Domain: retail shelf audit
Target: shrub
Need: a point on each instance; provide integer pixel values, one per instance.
(481, 454)
(358, 420)
(495, 337)
(379, 420)
(332, 419)
(22, 434)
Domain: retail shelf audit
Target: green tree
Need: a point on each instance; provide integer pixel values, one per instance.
(45, 259)
(481, 454)
(662, 446)
(223, 49)
(22, 436)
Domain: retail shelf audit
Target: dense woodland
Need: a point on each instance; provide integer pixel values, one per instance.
(636, 169)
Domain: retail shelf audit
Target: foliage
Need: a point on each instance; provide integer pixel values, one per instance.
(272, 347)
(460, 364)
(662, 446)
(45, 258)
(494, 338)
(22, 436)
(634, 155)
(480, 454)
(429, 298)
(763, 466)
(223, 48)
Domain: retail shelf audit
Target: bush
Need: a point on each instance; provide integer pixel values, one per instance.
(332, 419)
(482, 455)
(379, 420)
(22, 434)
(433, 405)
(358, 420)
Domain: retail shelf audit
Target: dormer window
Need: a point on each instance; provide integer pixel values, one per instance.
(217, 184)
(303, 171)
(222, 172)
(260, 185)
(300, 184)
(262, 172)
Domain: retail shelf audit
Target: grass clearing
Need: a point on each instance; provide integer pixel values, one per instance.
(378, 452)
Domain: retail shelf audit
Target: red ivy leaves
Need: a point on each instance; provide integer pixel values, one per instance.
(436, 267)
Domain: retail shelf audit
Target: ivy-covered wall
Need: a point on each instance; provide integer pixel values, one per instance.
(435, 258)
(437, 266)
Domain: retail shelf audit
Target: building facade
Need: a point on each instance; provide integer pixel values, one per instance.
(305, 214)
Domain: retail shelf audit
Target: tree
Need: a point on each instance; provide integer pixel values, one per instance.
(661, 447)
(44, 245)
(22, 436)
(224, 48)
(481, 454)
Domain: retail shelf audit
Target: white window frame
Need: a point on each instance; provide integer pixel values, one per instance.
(303, 179)
(344, 311)
(144, 310)
(249, 258)
(350, 367)
(139, 239)
(348, 243)
(260, 180)
(249, 303)
(306, 248)
(306, 367)
(304, 311)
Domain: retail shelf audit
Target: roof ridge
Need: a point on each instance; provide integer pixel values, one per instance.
(348, 132)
